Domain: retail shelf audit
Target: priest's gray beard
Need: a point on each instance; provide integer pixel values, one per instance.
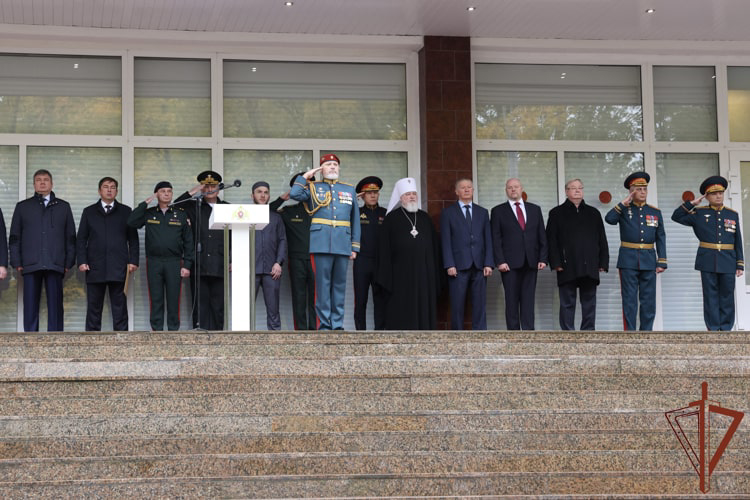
(411, 206)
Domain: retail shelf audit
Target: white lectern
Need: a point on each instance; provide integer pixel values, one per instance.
(243, 220)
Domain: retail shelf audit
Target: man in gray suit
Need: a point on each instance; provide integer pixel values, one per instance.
(270, 251)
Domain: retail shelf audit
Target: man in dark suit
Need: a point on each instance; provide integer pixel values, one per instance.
(467, 255)
(42, 247)
(520, 246)
(578, 252)
(107, 250)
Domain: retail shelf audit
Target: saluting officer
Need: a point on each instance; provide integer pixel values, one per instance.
(297, 226)
(720, 256)
(209, 253)
(334, 236)
(641, 228)
(371, 217)
(169, 253)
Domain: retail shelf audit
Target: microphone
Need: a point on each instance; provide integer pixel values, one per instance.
(221, 186)
(237, 183)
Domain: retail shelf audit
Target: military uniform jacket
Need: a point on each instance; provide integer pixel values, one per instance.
(297, 225)
(42, 238)
(106, 243)
(334, 227)
(641, 228)
(168, 234)
(370, 221)
(720, 249)
(212, 240)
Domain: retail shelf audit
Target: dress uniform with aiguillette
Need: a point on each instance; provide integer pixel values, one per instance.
(719, 256)
(169, 246)
(641, 229)
(370, 220)
(334, 235)
(297, 226)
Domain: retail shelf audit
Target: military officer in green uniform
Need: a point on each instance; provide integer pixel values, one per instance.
(720, 255)
(297, 226)
(169, 253)
(641, 228)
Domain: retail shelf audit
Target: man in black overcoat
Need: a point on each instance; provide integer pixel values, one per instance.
(107, 250)
(209, 253)
(42, 246)
(578, 252)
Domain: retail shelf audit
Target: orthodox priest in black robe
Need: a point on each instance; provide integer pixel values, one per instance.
(408, 268)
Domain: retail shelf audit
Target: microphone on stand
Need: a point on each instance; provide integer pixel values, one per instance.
(236, 183)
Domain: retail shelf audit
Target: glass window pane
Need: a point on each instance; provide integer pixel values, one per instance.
(538, 174)
(173, 97)
(603, 175)
(8, 198)
(60, 95)
(678, 173)
(558, 102)
(685, 103)
(179, 166)
(739, 103)
(277, 168)
(75, 177)
(314, 100)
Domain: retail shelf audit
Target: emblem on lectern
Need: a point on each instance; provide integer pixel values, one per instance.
(702, 460)
(239, 214)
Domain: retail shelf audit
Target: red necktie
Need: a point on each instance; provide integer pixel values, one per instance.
(519, 214)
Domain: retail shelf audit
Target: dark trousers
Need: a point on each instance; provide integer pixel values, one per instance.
(302, 279)
(164, 280)
(718, 300)
(587, 288)
(32, 294)
(118, 303)
(271, 289)
(364, 278)
(469, 280)
(520, 293)
(638, 286)
(211, 307)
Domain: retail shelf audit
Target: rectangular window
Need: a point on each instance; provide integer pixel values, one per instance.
(558, 102)
(8, 197)
(180, 167)
(75, 179)
(739, 103)
(314, 100)
(60, 95)
(603, 175)
(173, 97)
(537, 172)
(685, 103)
(680, 175)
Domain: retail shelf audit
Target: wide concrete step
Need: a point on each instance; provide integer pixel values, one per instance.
(386, 384)
(351, 463)
(351, 403)
(339, 442)
(735, 484)
(210, 425)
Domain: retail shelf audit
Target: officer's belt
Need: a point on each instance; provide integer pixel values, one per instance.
(717, 246)
(328, 222)
(640, 246)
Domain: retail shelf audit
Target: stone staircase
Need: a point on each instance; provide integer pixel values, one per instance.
(407, 414)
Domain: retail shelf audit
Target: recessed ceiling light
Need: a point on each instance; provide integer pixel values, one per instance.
(288, 4)
(75, 65)
(713, 76)
(254, 70)
(650, 11)
(471, 9)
